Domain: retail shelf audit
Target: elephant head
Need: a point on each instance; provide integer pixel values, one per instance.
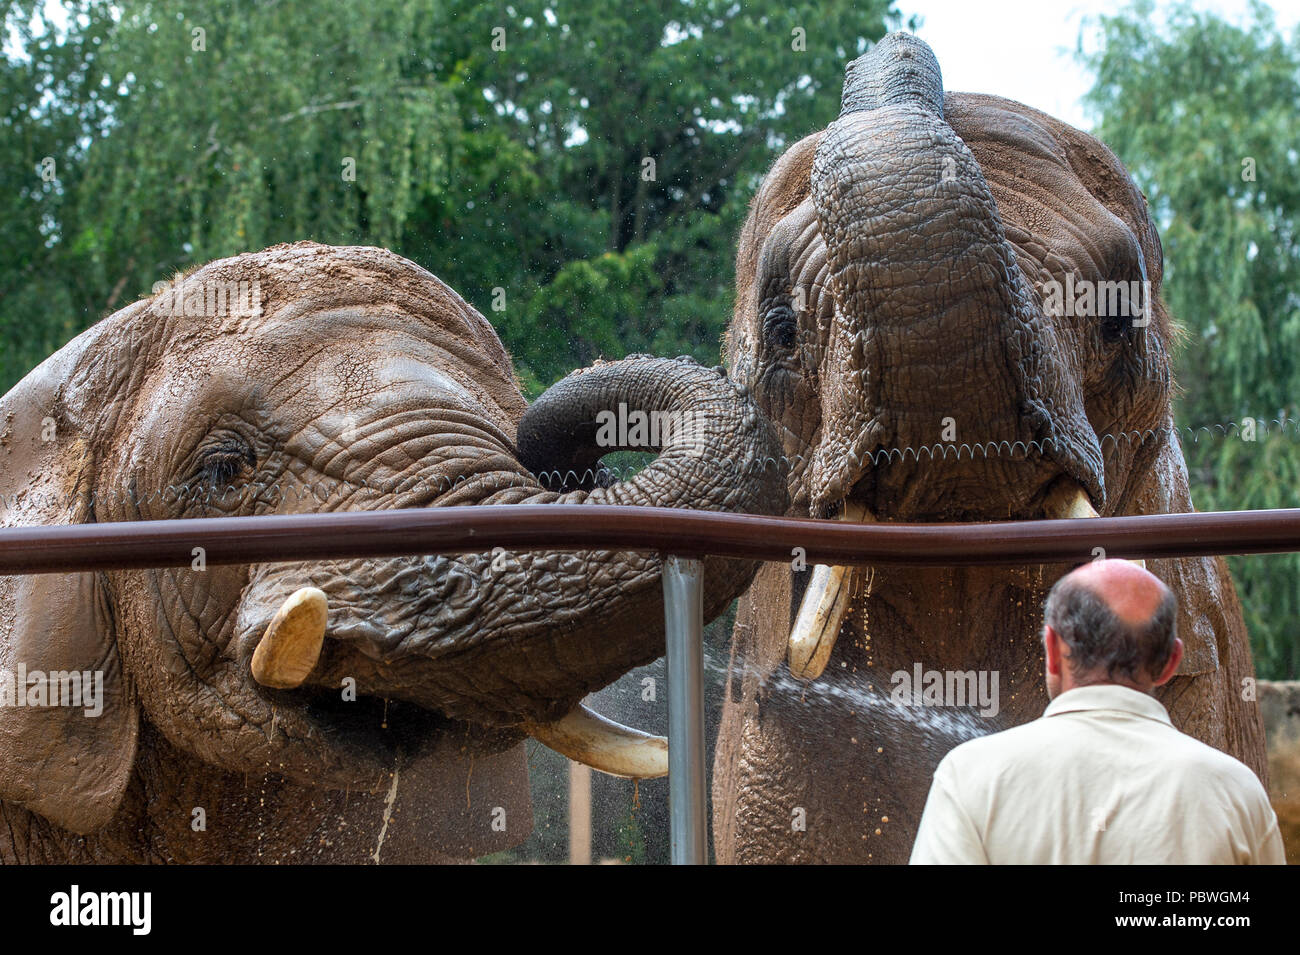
(903, 332)
(949, 305)
(308, 378)
(890, 307)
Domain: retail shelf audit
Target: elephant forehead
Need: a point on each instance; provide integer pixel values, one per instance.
(375, 377)
(399, 381)
(352, 358)
(1049, 210)
(375, 363)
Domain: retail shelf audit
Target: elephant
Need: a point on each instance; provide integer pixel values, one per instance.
(911, 313)
(334, 711)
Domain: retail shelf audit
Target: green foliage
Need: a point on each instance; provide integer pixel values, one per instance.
(631, 840)
(180, 137)
(520, 169)
(46, 107)
(600, 254)
(1203, 112)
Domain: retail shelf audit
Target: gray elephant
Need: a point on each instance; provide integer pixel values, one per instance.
(332, 711)
(949, 304)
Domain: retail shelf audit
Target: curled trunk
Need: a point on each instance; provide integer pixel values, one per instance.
(501, 639)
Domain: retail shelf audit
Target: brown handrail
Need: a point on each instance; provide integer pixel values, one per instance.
(458, 530)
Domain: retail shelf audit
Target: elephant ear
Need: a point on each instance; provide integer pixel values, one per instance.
(68, 763)
(1198, 582)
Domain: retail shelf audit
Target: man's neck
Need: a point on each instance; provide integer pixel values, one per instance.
(1068, 684)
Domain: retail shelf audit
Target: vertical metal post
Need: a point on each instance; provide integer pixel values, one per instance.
(684, 620)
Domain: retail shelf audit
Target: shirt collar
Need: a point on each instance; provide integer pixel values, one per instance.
(1108, 696)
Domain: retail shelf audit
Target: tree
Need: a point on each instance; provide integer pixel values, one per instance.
(577, 170)
(46, 108)
(1203, 112)
(644, 129)
(181, 137)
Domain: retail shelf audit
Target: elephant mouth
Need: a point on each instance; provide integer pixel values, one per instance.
(831, 589)
(287, 656)
(376, 726)
(1005, 479)
(371, 728)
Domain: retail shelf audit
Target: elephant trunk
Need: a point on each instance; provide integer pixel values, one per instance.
(707, 434)
(931, 310)
(715, 452)
(509, 639)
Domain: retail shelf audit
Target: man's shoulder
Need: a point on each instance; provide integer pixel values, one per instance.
(990, 750)
(1210, 763)
(1042, 741)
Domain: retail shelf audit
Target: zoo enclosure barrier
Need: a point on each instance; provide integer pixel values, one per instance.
(683, 537)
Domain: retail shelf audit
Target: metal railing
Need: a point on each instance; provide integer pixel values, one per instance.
(683, 537)
(40, 549)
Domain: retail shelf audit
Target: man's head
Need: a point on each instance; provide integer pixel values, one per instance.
(1110, 621)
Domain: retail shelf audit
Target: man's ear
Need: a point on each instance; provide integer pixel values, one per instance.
(1052, 650)
(68, 763)
(1198, 582)
(1171, 667)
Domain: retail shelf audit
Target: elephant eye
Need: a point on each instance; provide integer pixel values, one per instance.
(1114, 327)
(779, 326)
(221, 462)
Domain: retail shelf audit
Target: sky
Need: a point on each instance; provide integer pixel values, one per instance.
(1026, 52)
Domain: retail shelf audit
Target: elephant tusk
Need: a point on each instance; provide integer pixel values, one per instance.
(588, 738)
(824, 607)
(292, 642)
(1067, 501)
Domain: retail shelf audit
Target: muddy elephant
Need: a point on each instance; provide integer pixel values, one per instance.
(949, 304)
(338, 711)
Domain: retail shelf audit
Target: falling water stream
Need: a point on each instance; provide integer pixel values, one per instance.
(857, 703)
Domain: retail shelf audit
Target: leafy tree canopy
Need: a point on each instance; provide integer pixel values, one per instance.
(577, 170)
(1203, 112)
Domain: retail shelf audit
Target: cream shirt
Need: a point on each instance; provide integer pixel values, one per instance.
(1101, 778)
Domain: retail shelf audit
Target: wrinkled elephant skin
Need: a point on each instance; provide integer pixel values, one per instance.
(900, 315)
(381, 717)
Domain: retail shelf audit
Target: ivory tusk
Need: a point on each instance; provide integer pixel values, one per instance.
(588, 738)
(1067, 501)
(292, 643)
(822, 611)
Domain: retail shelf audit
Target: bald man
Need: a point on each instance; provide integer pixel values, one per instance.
(1102, 777)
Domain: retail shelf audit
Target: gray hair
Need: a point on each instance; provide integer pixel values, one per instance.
(1100, 642)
